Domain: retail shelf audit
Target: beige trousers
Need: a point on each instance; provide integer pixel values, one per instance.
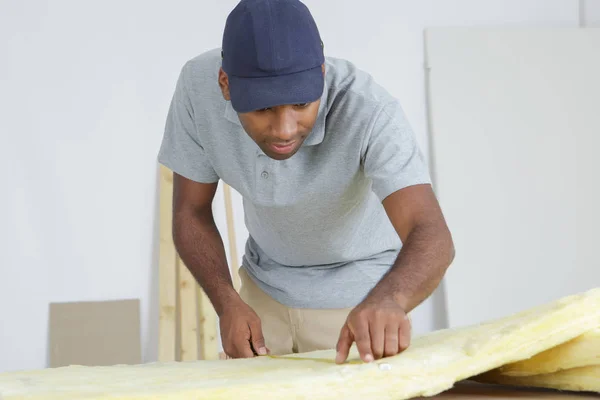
(292, 330)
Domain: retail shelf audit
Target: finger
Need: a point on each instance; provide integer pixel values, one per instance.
(242, 347)
(230, 347)
(362, 337)
(245, 350)
(239, 348)
(256, 337)
(343, 345)
(392, 339)
(241, 342)
(404, 334)
(377, 333)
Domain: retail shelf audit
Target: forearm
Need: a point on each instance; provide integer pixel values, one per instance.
(422, 262)
(201, 248)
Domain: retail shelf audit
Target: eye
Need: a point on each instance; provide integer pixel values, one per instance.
(302, 105)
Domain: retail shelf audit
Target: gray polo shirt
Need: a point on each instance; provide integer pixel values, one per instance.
(319, 235)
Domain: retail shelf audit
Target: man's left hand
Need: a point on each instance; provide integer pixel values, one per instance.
(379, 326)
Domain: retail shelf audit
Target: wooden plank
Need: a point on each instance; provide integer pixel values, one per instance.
(208, 330)
(167, 270)
(188, 313)
(233, 254)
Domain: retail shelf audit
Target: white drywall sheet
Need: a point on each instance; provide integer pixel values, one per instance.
(515, 127)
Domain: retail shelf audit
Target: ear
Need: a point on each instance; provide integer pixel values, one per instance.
(323, 68)
(224, 84)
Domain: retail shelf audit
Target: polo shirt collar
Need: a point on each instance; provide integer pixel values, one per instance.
(318, 132)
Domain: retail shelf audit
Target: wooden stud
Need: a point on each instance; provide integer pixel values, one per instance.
(188, 313)
(167, 271)
(188, 324)
(233, 254)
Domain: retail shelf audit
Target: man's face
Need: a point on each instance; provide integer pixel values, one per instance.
(278, 131)
(281, 130)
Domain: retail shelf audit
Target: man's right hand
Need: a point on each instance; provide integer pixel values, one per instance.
(241, 331)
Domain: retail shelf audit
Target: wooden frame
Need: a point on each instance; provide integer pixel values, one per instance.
(188, 328)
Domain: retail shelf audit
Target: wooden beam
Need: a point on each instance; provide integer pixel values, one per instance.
(167, 270)
(233, 253)
(188, 324)
(188, 313)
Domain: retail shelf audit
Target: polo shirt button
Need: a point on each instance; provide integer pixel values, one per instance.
(265, 174)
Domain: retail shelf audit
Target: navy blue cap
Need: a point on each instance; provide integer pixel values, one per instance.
(272, 53)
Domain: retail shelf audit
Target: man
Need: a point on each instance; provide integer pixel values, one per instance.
(346, 235)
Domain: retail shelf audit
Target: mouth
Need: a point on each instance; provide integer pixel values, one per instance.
(282, 148)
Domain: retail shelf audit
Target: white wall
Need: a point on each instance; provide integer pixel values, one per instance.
(590, 13)
(84, 91)
(532, 124)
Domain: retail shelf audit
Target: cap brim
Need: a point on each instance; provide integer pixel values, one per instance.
(251, 94)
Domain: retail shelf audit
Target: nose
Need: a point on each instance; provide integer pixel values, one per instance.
(285, 126)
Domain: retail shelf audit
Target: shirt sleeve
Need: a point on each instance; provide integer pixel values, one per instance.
(392, 158)
(181, 149)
